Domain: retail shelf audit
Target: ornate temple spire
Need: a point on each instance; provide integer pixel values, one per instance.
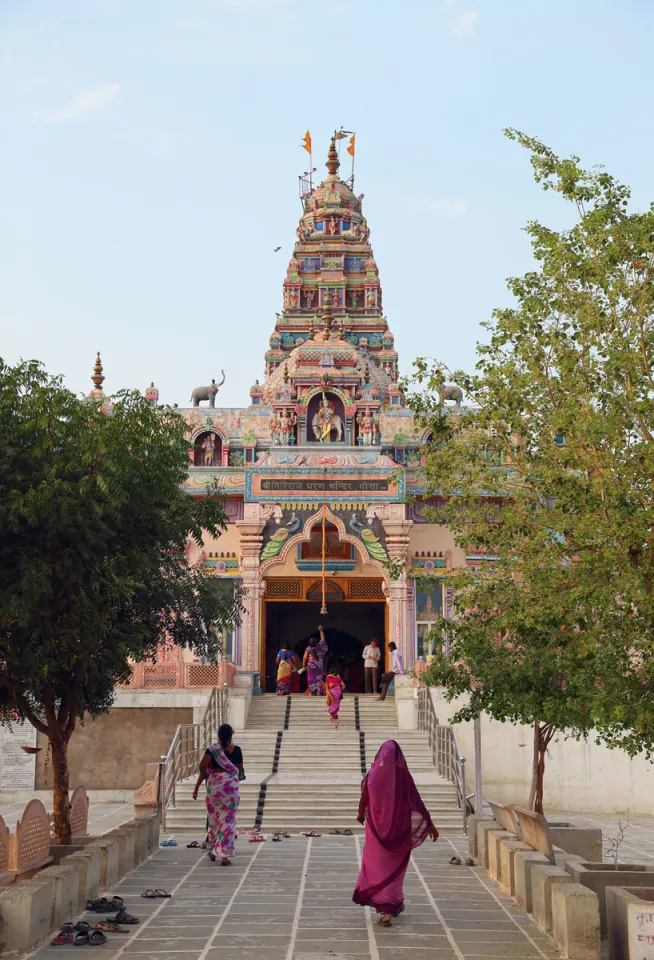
(333, 163)
(97, 378)
(327, 317)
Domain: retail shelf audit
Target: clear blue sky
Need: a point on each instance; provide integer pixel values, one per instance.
(151, 152)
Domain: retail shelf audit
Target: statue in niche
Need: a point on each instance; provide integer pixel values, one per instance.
(209, 449)
(333, 224)
(371, 298)
(327, 420)
(286, 424)
(335, 298)
(366, 427)
(293, 299)
(309, 295)
(354, 296)
(274, 429)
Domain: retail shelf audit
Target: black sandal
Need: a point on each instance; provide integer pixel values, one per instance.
(81, 939)
(194, 845)
(162, 894)
(149, 895)
(124, 917)
(97, 938)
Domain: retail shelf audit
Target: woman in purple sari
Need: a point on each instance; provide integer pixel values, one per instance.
(313, 662)
(396, 822)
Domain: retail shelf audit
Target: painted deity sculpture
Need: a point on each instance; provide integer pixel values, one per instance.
(286, 424)
(366, 428)
(325, 421)
(209, 450)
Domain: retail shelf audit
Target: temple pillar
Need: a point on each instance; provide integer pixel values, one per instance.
(251, 529)
(399, 621)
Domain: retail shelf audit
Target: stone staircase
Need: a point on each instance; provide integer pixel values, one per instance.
(316, 780)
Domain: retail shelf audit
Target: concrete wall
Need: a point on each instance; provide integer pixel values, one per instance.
(582, 777)
(110, 753)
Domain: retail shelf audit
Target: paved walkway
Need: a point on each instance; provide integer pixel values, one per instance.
(638, 843)
(292, 901)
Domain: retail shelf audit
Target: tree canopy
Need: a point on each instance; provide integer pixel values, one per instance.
(93, 530)
(549, 468)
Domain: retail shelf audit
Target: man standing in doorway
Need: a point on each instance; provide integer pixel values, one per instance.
(371, 656)
(397, 669)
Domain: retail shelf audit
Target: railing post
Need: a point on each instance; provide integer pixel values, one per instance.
(463, 794)
(161, 792)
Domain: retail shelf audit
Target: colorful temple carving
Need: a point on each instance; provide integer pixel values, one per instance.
(325, 437)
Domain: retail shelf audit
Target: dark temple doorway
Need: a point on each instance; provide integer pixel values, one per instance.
(348, 627)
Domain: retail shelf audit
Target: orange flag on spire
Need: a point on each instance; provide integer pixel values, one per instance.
(306, 143)
(350, 146)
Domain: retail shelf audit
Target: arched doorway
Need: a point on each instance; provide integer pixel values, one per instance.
(356, 612)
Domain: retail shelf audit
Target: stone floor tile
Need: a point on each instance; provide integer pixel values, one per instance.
(146, 947)
(331, 948)
(239, 953)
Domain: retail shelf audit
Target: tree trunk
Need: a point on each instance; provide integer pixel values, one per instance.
(60, 786)
(543, 733)
(534, 768)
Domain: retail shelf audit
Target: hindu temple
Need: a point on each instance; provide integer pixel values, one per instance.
(321, 468)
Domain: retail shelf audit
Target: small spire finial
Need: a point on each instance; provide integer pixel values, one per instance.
(98, 376)
(333, 163)
(327, 318)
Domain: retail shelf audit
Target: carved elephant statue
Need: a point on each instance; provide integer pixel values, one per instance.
(449, 392)
(207, 393)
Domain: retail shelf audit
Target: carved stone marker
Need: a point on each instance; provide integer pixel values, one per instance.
(506, 817)
(630, 914)
(535, 831)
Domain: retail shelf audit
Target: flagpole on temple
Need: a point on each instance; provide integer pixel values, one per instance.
(350, 150)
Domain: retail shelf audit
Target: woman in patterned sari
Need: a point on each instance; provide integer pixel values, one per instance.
(284, 672)
(223, 796)
(313, 662)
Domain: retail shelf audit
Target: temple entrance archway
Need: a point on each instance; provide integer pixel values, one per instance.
(348, 627)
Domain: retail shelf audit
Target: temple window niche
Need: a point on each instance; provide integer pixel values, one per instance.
(207, 450)
(326, 419)
(429, 610)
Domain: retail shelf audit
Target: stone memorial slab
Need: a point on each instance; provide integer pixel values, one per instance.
(505, 817)
(535, 831)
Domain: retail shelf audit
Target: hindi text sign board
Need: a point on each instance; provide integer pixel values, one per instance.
(312, 485)
(17, 767)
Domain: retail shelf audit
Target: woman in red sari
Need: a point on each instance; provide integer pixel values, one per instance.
(396, 822)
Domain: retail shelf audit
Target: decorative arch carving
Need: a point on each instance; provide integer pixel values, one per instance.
(195, 433)
(304, 535)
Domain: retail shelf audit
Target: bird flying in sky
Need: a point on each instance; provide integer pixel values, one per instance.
(277, 249)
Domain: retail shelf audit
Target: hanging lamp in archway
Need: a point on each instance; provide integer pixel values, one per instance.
(323, 609)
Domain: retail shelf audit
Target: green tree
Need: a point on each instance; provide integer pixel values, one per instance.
(550, 468)
(93, 530)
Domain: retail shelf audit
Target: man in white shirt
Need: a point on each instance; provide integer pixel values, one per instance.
(371, 655)
(397, 669)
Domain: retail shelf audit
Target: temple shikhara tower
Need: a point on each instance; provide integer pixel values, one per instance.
(321, 470)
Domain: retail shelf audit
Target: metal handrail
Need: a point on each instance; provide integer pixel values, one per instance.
(187, 747)
(446, 755)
